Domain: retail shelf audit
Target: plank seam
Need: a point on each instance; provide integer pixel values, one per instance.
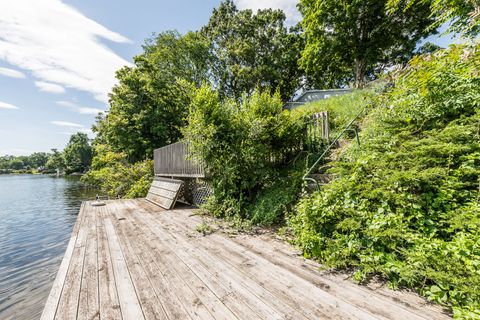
(70, 247)
(83, 268)
(127, 239)
(104, 210)
(179, 276)
(126, 266)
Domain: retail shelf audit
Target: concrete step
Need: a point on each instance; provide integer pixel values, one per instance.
(323, 168)
(322, 178)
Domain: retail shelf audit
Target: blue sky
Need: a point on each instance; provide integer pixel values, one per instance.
(58, 59)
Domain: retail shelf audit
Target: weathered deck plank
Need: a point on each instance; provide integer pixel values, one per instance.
(107, 289)
(265, 303)
(286, 287)
(132, 260)
(69, 298)
(88, 307)
(127, 296)
(51, 305)
(215, 294)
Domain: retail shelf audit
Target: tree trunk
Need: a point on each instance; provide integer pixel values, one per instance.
(359, 73)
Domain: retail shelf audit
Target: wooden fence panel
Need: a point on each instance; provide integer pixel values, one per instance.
(173, 161)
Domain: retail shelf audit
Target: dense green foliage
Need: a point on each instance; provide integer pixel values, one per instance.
(406, 204)
(147, 109)
(148, 106)
(350, 41)
(55, 161)
(236, 52)
(252, 51)
(113, 174)
(243, 146)
(77, 155)
(35, 161)
(462, 16)
(75, 158)
(254, 152)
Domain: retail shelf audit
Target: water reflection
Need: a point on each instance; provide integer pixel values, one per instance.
(37, 214)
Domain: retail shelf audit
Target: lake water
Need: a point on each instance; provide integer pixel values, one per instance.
(37, 214)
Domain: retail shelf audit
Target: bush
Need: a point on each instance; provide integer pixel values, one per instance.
(406, 204)
(275, 200)
(244, 146)
(112, 174)
(254, 151)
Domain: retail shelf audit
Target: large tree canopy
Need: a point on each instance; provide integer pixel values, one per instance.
(149, 104)
(78, 153)
(252, 51)
(348, 41)
(462, 16)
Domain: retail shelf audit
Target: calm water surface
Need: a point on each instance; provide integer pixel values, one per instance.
(37, 214)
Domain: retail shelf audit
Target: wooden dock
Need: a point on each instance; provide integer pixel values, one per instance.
(132, 260)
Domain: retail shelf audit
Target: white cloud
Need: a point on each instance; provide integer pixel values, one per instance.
(288, 6)
(67, 124)
(4, 105)
(67, 104)
(79, 109)
(49, 87)
(87, 131)
(94, 111)
(73, 128)
(11, 73)
(59, 45)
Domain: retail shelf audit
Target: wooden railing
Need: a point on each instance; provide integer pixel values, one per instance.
(173, 161)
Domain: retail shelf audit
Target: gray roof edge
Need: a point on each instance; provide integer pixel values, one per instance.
(320, 90)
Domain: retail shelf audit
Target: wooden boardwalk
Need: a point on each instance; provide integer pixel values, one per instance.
(132, 260)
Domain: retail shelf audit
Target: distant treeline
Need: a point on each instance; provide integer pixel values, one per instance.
(35, 162)
(76, 157)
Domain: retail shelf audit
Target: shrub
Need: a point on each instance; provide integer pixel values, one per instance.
(406, 204)
(244, 146)
(112, 174)
(275, 200)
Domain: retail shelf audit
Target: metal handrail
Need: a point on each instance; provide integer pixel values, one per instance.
(330, 146)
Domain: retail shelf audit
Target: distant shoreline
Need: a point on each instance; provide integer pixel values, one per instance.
(33, 172)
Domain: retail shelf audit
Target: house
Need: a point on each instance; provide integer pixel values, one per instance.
(314, 95)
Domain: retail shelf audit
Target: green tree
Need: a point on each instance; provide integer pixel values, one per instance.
(4, 162)
(16, 164)
(348, 41)
(38, 159)
(149, 105)
(113, 174)
(55, 161)
(78, 153)
(252, 51)
(463, 16)
(428, 47)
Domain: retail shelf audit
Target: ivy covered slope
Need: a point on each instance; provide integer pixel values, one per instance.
(406, 203)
